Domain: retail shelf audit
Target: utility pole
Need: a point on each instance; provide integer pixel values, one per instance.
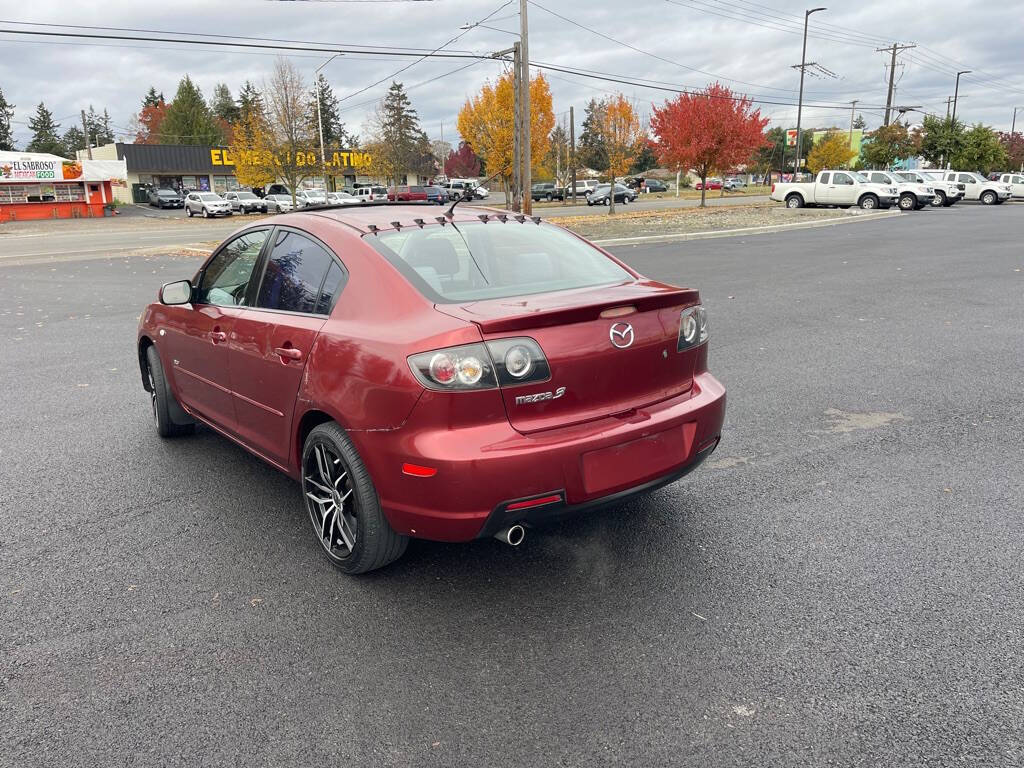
(320, 120)
(956, 91)
(1013, 127)
(894, 49)
(524, 107)
(853, 108)
(948, 102)
(572, 152)
(800, 101)
(85, 133)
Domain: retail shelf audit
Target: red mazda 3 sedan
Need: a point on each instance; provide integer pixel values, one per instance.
(443, 377)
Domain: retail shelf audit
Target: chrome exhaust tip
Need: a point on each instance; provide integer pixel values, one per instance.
(513, 535)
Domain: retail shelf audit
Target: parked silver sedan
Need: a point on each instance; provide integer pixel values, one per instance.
(206, 204)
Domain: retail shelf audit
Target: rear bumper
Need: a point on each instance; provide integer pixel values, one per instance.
(484, 472)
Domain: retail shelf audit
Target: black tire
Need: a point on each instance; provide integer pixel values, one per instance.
(375, 543)
(939, 199)
(988, 198)
(550, 197)
(794, 201)
(189, 212)
(868, 202)
(907, 202)
(206, 212)
(171, 420)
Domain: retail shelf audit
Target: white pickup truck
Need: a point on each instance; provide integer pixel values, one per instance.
(977, 187)
(912, 196)
(1016, 182)
(946, 192)
(839, 188)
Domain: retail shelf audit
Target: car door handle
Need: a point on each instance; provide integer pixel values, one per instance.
(218, 336)
(288, 353)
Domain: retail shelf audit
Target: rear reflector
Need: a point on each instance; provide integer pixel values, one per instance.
(535, 502)
(417, 471)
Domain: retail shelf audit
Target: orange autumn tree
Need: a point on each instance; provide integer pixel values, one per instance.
(487, 123)
(623, 136)
(708, 130)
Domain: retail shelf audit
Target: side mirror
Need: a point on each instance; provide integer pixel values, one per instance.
(178, 292)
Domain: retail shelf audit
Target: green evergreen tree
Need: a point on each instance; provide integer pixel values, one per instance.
(98, 126)
(152, 98)
(6, 134)
(590, 150)
(645, 159)
(189, 119)
(250, 100)
(860, 122)
(401, 135)
(335, 133)
(73, 141)
(44, 132)
(223, 104)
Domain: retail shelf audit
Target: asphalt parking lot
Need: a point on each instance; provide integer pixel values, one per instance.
(840, 584)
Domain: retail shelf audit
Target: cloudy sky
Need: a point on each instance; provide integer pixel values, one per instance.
(748, 45)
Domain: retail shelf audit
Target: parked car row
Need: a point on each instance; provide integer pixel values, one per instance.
(910, 190)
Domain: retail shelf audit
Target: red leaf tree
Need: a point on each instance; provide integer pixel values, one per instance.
(709, 130)
(149, 121)
(1013, 143)
(463, 163)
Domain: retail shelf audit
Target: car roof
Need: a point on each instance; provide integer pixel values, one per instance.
(382, 216)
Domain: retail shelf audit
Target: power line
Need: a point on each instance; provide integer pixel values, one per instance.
(434, 52)
(652, 55)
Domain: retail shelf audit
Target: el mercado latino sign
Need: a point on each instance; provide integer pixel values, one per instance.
(40, 170)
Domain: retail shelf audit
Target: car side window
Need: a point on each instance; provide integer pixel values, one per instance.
(966, 179)
(825, 178)
(842, 178)
(332, 286)
(294, 274)
(227, 276)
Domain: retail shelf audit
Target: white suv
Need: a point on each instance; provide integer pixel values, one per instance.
(206, 204)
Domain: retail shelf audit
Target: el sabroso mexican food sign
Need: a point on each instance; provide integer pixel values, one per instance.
(40, 170)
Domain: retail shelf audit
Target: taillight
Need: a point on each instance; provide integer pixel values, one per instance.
(693, 327)
(773, 187)
(508, 362)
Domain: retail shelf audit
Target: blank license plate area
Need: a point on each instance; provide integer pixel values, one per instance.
(636, 461)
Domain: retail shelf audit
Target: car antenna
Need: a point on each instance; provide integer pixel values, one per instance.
(451, 211)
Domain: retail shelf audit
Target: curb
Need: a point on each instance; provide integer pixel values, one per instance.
(681, 236)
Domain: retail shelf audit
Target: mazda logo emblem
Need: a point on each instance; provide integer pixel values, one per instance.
(621, 335)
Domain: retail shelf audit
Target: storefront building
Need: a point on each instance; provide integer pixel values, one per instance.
(42, 186)
(187, 167)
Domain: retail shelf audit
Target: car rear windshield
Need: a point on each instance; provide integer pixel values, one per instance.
(492, 260)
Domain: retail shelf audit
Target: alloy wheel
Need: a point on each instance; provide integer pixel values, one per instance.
(152, 392)
(330, 499)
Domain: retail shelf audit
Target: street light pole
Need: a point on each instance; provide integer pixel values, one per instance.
(800, 101)
(956, 91)
(524, 107)
(1013, 127)
(320, 119)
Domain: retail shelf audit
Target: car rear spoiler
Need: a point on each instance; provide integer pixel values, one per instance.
(620, 301)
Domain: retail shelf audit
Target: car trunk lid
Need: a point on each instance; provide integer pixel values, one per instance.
(611, 349)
